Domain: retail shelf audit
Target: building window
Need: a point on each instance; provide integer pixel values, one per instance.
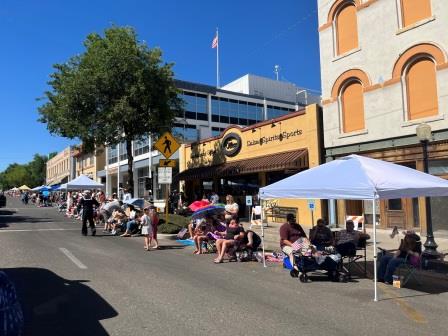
(346, 27)
(185, 133)
(195, 106)
(112, 154)
(352, 103)
(123, 151)
(413, 11)
(141, 146)
(421, 89)
(216, 131)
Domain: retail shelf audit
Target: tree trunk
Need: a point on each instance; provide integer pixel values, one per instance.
(130, 166)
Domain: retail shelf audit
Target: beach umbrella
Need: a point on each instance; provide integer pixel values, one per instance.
(210, 210)
(196, 205)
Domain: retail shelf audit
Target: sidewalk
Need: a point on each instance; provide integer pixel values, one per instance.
(271, 237)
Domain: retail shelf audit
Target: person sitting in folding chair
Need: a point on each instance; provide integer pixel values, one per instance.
(347, 240)
(410, 247)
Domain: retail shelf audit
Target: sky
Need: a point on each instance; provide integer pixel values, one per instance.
(254, 36)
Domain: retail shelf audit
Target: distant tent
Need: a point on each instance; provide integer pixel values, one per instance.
(24, 187)
(83, 182)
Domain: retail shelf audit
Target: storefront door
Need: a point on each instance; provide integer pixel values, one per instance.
(398, 212)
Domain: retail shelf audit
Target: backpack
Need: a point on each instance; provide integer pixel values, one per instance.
(183, 233)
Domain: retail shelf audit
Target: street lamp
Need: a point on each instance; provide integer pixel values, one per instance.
(424, 135)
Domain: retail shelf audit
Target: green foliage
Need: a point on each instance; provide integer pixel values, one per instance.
(174, 225)
(32, 174)
(118, 90)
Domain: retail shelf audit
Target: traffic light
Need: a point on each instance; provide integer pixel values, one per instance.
(148, 183)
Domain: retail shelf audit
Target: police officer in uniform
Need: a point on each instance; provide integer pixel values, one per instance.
(86, 203)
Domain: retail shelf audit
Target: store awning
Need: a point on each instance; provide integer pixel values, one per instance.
(295, 160)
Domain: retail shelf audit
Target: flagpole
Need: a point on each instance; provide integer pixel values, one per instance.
(217, 59)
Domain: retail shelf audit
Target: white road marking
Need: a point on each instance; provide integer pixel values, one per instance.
(31, 230)
(75, 260)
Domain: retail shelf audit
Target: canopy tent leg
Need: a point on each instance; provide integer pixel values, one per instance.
(375, 280)
(262, 231)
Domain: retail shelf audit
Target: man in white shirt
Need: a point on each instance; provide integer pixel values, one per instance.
(127, 195)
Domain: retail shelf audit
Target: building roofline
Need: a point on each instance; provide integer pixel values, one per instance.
(186, 85)
(248, 128)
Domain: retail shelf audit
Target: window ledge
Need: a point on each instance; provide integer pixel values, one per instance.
(416, 122)
(354, 133)
(415, 25)
(348, 53)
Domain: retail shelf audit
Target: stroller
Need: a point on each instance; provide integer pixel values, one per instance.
(309, 260)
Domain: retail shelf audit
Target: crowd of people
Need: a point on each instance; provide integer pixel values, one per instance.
(222, 233)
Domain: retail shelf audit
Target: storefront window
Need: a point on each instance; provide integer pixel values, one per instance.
(439, 212)
(438, 167)
(395, 204)
(240, 185)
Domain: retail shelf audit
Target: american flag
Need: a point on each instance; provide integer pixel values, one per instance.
(215, 42)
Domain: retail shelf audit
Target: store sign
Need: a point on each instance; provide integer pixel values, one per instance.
(231, 144)
(274, 138)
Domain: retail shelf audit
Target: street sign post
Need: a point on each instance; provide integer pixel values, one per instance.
(165, 175)
(312, 206)
(167, 145)
(167, 163)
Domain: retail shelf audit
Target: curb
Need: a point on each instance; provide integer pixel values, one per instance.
(167, 236)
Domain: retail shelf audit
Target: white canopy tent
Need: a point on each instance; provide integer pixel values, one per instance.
(82, 182)
(358, 178)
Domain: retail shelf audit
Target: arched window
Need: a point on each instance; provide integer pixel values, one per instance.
(346, 29)
(413, 11)
(352, 103)
(421, 89)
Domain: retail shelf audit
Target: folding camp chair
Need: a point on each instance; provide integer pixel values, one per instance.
(409, 269)
(351, 260)
(255, 216)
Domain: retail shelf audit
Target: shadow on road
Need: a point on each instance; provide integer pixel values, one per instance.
(24, 219)
(428, 282)
(171, 247)
(7, 212)
(56, 306)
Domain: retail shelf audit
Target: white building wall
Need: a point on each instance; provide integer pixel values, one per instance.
(270, 88)
(381, 42)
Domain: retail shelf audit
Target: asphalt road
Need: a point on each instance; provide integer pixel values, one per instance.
(74, 285)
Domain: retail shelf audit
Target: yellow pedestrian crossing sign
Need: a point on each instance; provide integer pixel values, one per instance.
(167, 163)
(167, 145)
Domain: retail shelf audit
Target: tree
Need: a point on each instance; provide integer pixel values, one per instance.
(32, 173)
(117, 90)
(37, 170)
